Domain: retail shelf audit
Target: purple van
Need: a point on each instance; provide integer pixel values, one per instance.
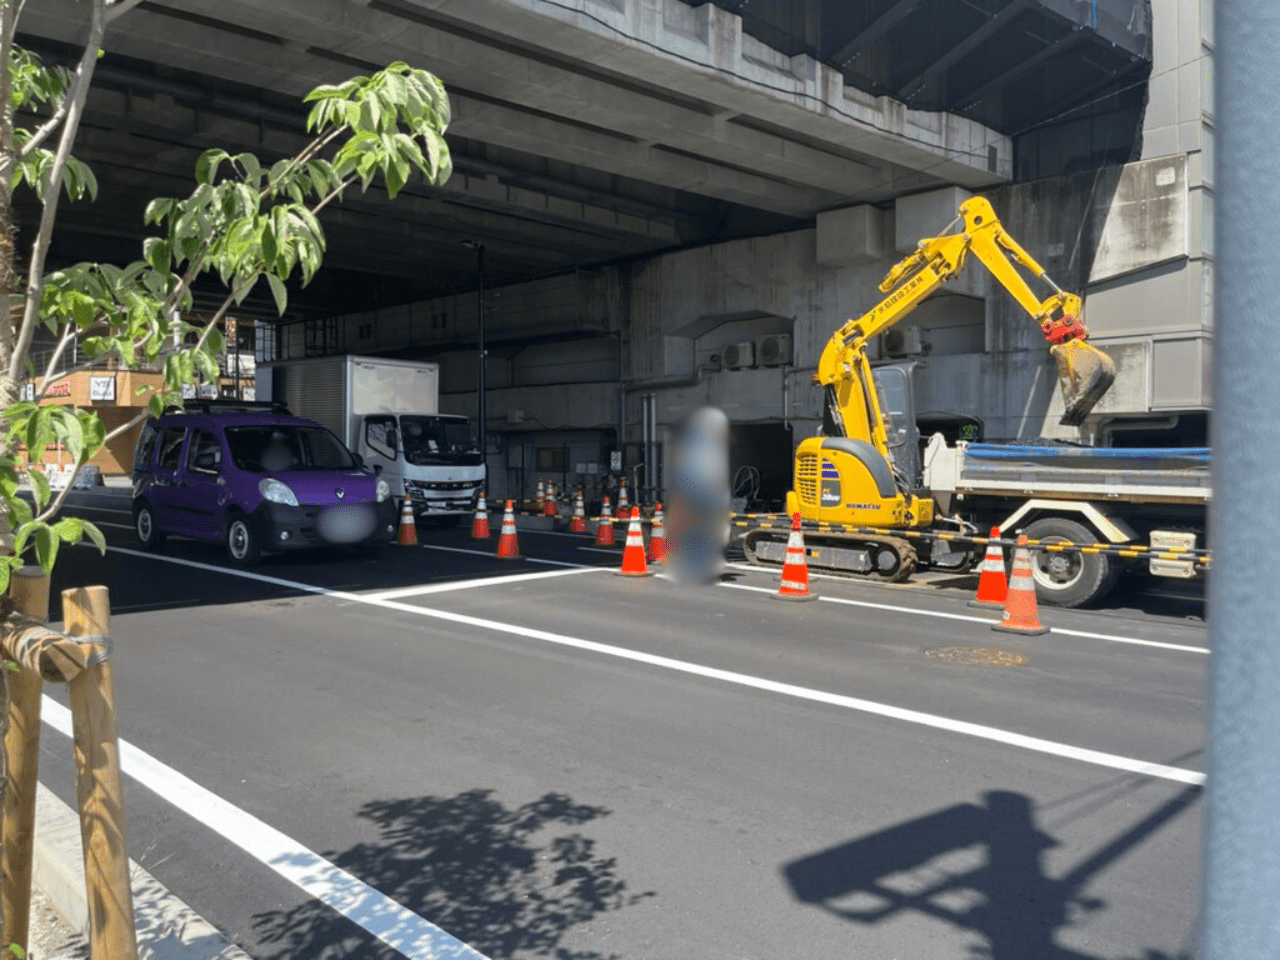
(258, 480)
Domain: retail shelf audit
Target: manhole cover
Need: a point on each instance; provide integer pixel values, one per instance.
(976, 656)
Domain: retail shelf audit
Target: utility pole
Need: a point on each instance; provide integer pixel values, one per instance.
(480, 360)
(1242, 843)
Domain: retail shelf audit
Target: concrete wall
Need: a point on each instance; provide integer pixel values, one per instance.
(671, 325)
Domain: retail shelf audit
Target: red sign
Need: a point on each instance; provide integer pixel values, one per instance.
(59, 388)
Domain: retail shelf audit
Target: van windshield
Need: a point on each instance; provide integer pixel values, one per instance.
(276, 448)
(439, 440)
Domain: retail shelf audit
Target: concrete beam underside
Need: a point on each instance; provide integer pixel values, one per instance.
(581, 106)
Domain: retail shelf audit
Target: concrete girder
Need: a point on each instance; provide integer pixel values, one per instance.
(966, 45)
(702, 52)
(468, 62)
(527, 217)
(690, 129)
(483, 120)
(197, 130)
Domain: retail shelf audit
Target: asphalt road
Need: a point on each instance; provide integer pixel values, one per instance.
(567, 763)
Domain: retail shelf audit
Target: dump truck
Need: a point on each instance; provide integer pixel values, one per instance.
(861, 484)
(387, 412)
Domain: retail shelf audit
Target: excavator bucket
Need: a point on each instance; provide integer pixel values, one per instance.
(1085, 373)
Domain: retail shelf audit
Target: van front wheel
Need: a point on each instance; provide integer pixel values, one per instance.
(242, 541)
(144, 525)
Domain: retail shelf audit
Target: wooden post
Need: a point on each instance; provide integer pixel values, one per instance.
(29, 589)
(87, 611)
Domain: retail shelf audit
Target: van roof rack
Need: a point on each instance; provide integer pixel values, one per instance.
(235, 406)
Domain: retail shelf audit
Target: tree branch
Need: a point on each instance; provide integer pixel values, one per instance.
(45, 130)
(68, 335)
(119, 8)
(40, 248)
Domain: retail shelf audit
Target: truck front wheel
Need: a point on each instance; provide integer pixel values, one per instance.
(1069, 578)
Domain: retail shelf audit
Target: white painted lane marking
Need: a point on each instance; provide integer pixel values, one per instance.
(1134, 640)
(612, 553)
(379, 915)
(88, 506)
(943, 615)
(480, 582)
(981, 731)
(489, 553)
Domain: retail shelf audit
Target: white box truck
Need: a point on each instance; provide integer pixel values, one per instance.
(387, 411)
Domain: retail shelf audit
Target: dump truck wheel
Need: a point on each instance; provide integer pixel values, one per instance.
(1069, 578)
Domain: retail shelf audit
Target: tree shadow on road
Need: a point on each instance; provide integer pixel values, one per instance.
(511, 882)
(977, 866)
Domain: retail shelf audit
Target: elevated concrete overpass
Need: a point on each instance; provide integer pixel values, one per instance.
(589, 131)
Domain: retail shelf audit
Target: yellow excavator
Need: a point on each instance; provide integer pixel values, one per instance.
(847, 477)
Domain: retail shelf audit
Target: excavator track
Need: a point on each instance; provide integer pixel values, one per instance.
(858, 556)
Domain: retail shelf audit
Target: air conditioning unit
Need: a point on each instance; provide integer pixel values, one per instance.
(773, 350)
(735, 355)
(902, 342)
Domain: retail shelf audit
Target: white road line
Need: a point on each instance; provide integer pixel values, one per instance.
(612, 553)
(472, 584)
(943, 615)
(981, 731)
(1134, 640)
(88, 506)
(489, 553)
(379, 915)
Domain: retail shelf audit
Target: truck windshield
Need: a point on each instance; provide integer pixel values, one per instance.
(275, 448)
(438, 440)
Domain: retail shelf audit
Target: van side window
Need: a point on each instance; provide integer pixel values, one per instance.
(171, 447)
(205, 453)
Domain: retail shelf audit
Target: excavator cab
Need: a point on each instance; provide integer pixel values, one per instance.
(1085, 373)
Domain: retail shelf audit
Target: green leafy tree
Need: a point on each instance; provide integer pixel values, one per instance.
(246, 222)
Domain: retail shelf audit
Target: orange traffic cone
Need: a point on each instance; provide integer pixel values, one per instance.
(540, 497)
(578, 522)
(623, 503)
(480, 523)
(407, 536)
(604, 530)
(1020, 614)
(993, 588)
(633, 564)
(794, 584)
(549, 506)
(657, 537)
(508, 548)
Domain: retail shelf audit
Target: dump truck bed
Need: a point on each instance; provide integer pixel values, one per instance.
(1138, 474)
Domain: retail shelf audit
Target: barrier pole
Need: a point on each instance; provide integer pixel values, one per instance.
(87, 612)
(29, 590)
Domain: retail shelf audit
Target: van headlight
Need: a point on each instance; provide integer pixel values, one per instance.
(277, 492)
(384, 489)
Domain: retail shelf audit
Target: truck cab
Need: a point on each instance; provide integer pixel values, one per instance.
(432, 459)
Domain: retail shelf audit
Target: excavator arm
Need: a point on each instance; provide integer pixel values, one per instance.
(1084, 372)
